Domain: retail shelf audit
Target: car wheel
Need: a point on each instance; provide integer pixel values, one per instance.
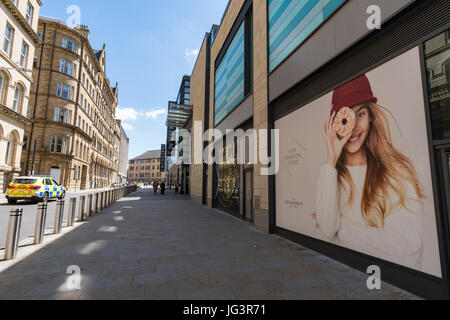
(12, 201)
(63, 195)
(45, 198)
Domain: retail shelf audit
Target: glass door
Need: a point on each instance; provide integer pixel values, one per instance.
(445, 155)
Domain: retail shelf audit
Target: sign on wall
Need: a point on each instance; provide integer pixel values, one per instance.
(370, 189)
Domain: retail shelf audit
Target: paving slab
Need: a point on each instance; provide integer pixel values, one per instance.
(157, 247)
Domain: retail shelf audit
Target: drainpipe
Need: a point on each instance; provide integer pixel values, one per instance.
(35, 100)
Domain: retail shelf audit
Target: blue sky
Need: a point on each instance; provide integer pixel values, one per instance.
(150, 45)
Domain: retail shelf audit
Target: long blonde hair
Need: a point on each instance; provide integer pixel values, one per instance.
(387, 169)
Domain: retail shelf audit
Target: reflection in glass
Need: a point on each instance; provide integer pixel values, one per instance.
(227, 196)
(437, 55)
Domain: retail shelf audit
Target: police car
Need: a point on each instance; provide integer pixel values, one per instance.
(35, 188)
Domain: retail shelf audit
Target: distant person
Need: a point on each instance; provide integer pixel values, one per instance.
(155, 187)
(176, 188)
(163, 188)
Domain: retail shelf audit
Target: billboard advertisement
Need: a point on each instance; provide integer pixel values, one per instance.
(355, 168)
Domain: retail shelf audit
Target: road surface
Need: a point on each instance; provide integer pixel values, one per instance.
(29, 215)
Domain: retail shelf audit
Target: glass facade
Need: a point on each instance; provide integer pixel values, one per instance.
(227, 195)
(437, 55)
(229, 80)
(292, 21)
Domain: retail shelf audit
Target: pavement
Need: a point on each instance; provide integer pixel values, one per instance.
(171, 248)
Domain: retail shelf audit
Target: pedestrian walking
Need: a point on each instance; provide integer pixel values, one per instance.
(163, 188)
(155, 187)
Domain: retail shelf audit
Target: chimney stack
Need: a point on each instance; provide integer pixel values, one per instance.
(84, 30)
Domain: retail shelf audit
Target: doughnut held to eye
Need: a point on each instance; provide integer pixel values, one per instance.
(345, 122)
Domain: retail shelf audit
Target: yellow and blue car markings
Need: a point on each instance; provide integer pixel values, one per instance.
(26, 191)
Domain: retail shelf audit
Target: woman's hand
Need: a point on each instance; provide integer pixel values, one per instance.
(334, 144)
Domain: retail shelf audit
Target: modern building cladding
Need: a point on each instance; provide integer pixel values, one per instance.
(296, 54)
(179, 117)
(229, 79)
(291, 22)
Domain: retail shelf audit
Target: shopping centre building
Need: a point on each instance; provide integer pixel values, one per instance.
(379, 198)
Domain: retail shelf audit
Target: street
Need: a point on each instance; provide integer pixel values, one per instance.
(29, 215)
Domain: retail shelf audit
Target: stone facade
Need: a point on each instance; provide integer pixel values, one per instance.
(198, 79)
(146, 168)
(73, 107)
(123, 155)
(260, 102)
(18, 26)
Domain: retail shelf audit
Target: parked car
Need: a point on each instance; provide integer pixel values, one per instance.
(34, 188)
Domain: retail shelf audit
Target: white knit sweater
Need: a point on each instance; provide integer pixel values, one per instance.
(400, 241)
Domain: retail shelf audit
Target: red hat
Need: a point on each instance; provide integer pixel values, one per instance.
(352, 93)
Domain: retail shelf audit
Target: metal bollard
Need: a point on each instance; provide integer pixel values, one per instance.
(39, 229)
(72, 208)
(90, 205)
(82, 208)
(102, 201)
(59, 216)
(95, 202)
(12, 240)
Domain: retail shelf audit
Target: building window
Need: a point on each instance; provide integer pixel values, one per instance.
(24, 55)
(29, 13)
(58, 144)
(69, 45)
(9, 34)
(4, 83)
(65, 91)
(438, 69)
(11, 146)
(291, 22)
(67, 67)
(229, 78)
(25, 143)
(62, 115)
(18, 97)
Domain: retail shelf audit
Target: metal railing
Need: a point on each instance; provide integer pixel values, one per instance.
(88, 205)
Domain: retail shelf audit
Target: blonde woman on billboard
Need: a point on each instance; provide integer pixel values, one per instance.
(369, 195)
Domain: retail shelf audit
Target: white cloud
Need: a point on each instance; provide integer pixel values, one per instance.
(191, 54)
(127, 126)
(155, 113)
(126, 113)
(130, 114)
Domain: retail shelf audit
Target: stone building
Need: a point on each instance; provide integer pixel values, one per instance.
(73, 109)
(18, 27)
(146, 168)
(123, 155)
